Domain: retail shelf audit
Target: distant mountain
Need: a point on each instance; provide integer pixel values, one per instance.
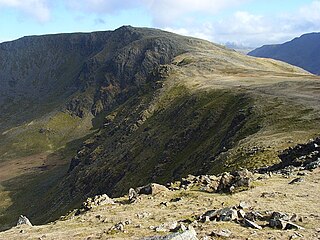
(302, 52)
(238, 47)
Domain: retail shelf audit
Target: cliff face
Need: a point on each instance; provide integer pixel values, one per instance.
(87, 72)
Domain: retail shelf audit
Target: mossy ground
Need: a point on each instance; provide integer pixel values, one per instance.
(46, 134)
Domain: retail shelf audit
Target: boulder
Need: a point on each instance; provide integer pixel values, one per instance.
(224, 214)
(313, 165)
(166, 227)
(189, 234)
(243, 205)
(96, 201)
(152, 188)
(224, 233)
(278, 220)
(296, 180)
(251, 224)
(23, 220)
(235, 181)
(133, 195)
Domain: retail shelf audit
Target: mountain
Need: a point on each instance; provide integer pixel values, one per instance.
(93, 113)
(301, 52)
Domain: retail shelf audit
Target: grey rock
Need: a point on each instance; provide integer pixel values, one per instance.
(143, 215)
(221, 233)
(224, 214)
(133, 195)
(166, 227)
(278, 220)
(280, 215)
(243, 205)
(228, 214)
(232, 182)
(296, 180)
(313, 165)
(211, 214)
(98, 200)
(254, 215)
(152, 188)
(23, 220)
(251, 224)
(291, 225)
(119, 227)
(190, 234)
(241, 213)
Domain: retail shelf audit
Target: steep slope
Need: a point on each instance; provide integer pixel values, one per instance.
(149, 106)
(192, 204)
(301, 52)
(61, 85)
(216, 110)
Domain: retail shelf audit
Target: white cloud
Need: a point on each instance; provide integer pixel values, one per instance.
(311, 13)
(38, 9)
(307, 18)
(102, 6)
(164, 13)
(169, 12)
(252, 30)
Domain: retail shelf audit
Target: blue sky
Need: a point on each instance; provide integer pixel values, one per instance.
(244, 22)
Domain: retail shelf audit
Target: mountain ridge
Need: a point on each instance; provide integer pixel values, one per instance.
(145, 101)
(301, 51)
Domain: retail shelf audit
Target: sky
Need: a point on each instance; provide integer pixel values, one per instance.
(249, 23)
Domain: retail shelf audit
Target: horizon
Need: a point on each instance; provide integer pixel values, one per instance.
(248, 23)
(227, 44)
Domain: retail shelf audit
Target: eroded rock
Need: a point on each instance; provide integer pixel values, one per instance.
(235, 181)
(23, 220)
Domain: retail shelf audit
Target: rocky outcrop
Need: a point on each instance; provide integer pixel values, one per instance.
(152, 188)
(249, 218)
(235, 181)
(94, 202)
(304, 156)
(23, 220)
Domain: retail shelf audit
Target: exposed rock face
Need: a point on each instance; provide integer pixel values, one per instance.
(23, 220)
(90, 73)
(306, 156)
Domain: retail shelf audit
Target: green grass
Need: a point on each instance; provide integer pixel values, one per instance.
(45, 134)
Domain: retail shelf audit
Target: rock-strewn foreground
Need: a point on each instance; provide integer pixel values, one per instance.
(279, 204)
(100, 113)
